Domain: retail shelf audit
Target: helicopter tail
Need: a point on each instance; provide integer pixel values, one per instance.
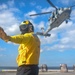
(42, 34)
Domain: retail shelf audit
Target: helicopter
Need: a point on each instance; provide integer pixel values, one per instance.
(59, 15)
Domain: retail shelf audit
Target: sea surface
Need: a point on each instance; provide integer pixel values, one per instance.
(53, 71)
(14, 68)
(7, 68)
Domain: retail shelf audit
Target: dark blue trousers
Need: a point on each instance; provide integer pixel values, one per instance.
(27, 70)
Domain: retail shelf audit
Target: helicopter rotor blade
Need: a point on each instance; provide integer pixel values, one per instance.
(72, 6)
(51, 4)
(40, 13)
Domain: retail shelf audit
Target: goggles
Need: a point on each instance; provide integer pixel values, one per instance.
(23, 27)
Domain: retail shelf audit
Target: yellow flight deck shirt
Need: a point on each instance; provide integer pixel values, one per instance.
(29, 49)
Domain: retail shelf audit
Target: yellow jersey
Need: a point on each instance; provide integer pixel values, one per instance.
(29, 49)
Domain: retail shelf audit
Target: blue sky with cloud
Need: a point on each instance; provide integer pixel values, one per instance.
(57, 49)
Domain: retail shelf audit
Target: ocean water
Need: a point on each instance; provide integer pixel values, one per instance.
(15, 68)
(7, 68)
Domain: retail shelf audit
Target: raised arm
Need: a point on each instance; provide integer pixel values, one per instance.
(3, 35)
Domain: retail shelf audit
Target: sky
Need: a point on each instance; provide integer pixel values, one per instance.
(57, 49)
